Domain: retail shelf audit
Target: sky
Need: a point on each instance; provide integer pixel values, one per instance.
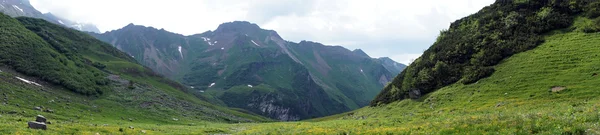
(399, 29)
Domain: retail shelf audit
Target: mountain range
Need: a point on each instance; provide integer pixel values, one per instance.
(514, 67)
(244, 66)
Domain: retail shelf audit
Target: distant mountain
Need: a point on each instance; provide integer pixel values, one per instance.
(75, 25)
(17, 8)
(391, 65)
(247, 67)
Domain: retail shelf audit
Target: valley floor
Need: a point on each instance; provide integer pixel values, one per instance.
(552, 89)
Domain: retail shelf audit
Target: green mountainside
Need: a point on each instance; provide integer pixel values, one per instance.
(243, 66)
(470, 49)
(546, 82)
(74, 78)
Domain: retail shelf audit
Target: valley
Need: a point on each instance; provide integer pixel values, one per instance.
(513, 67)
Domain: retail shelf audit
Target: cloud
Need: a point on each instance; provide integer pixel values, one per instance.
(399, 29)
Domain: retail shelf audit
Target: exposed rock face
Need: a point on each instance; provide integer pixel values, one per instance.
(268, 106)
(415, 93)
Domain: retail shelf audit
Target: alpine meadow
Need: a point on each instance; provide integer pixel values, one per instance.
(512, 67)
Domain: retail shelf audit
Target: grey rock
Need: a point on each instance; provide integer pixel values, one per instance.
(37, 125)
(37, 108)
(40, 118)
(49, 111)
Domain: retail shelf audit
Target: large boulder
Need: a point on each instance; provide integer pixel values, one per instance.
(37, 125)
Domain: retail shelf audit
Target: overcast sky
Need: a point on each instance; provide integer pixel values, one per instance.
(399, 29)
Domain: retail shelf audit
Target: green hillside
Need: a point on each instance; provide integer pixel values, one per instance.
(469, 50)
(77, 81)
(552, 89)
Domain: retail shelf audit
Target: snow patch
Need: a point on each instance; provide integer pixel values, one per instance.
(207, 40)
(192, 87)
(250, 86)
(216, 42)
(212, 84)
(180, 53)
(17, 7)
(201, 91)
(61, 22)
(254, 43)
(28, 82)
(78, 26)
(246, 35)
(222, 48)
(361, 70)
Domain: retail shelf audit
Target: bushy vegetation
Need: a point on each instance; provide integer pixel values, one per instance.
(472, 46)
(32, 47)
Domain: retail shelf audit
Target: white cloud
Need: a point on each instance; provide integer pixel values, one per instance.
(399, 29)
(406, 58)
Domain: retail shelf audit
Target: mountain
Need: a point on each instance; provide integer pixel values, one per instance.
(247, 67)
(17, 8)
(474, 45)
(75, 25)
(550, 87)
(392, 65)
(71, 77)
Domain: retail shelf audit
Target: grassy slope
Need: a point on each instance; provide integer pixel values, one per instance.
(515, 99)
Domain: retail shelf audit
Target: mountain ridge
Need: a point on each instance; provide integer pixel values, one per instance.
(240, 53)
(16, 8)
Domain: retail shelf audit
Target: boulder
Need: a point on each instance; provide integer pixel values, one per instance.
(40, 118)
(37, 108)
(37, 125)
